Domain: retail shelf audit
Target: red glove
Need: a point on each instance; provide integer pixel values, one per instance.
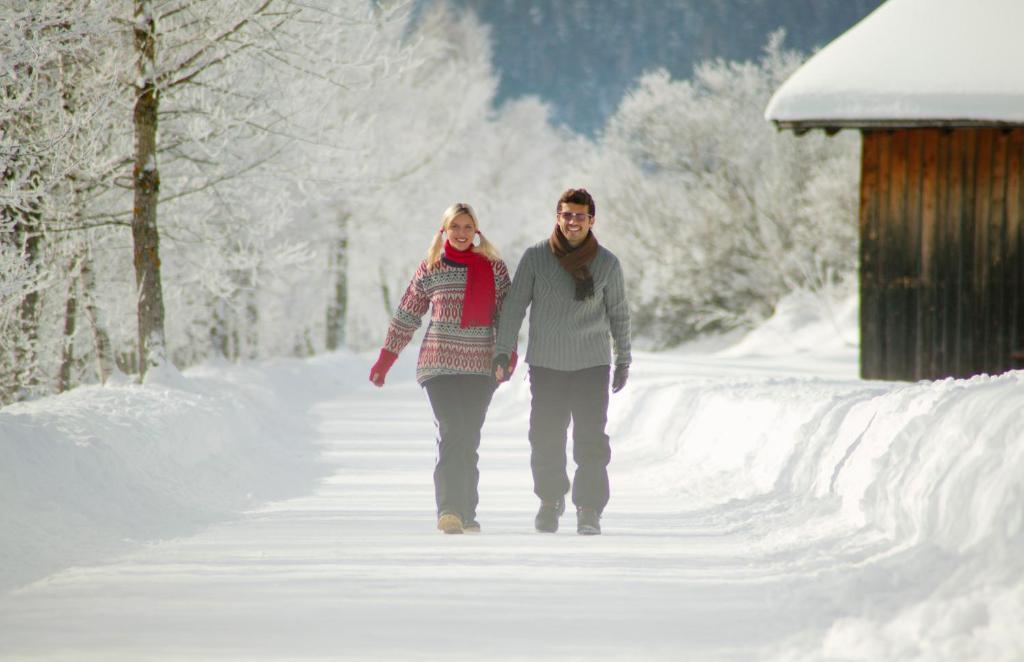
(380, 369)
(513, 360)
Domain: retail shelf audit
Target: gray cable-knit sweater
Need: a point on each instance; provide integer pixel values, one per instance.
(566, 334)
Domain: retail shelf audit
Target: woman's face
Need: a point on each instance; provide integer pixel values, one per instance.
(461, 231)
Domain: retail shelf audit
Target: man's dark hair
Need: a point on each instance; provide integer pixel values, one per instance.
(577, 196)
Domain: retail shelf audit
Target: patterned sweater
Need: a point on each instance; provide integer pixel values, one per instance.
(447, 348)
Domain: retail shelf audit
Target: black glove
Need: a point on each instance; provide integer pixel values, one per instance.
(500, 361)
(620, 377)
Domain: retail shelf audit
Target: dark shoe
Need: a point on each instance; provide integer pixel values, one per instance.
(588, 522)
(547, 517)
(472, 526)
(449, 523)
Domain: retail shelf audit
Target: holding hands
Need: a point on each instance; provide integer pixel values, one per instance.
(504, 365)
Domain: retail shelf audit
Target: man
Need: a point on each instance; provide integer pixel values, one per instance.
(578, 314)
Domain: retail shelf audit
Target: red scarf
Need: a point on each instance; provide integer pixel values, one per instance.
(478, 302)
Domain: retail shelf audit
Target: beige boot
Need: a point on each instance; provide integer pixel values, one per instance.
(449, 523)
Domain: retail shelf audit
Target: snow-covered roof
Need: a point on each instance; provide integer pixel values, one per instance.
(914, 62)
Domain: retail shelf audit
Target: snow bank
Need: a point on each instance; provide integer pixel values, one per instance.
(894, 510)
(938, 463)
(906, 498)
(89, 472)
(805, 325)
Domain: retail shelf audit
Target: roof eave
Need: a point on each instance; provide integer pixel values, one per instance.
(832, 126)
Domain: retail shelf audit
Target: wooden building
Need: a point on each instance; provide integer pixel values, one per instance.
(936, 89)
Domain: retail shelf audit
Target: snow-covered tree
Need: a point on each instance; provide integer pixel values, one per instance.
(59, 93)
(718, 214)
(220, 78)
(300, 155)
(419, 134)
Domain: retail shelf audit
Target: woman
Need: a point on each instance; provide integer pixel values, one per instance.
(463, 286)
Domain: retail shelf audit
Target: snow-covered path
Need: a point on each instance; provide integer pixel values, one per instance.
(357, 570)
(755, 551)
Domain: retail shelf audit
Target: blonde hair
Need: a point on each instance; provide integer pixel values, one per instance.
(458, 209)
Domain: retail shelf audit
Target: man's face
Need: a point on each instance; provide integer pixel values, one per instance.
(575, 221)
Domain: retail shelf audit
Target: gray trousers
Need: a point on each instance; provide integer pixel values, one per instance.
(460, 406)
(558, 398)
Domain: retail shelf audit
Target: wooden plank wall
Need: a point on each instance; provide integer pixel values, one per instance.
(941, 267)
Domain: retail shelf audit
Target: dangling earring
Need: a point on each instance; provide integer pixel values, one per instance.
(481, 236)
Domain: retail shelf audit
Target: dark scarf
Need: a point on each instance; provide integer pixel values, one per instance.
(478, 301)
(575, 260)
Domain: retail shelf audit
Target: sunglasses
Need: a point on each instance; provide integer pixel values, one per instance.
(573, 216)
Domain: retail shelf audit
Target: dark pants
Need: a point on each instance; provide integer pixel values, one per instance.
(558, 397)
(460, 405)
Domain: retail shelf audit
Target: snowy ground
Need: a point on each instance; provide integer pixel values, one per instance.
(766, 505)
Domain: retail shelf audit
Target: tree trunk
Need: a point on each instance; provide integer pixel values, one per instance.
(385, 293)
(252, 322)
(27, 238)
(236, 341)
(101, 339)
(337, 309)
(219, 329)
(152, 347)
(26, 347)
(19, 348)
(67, 358)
